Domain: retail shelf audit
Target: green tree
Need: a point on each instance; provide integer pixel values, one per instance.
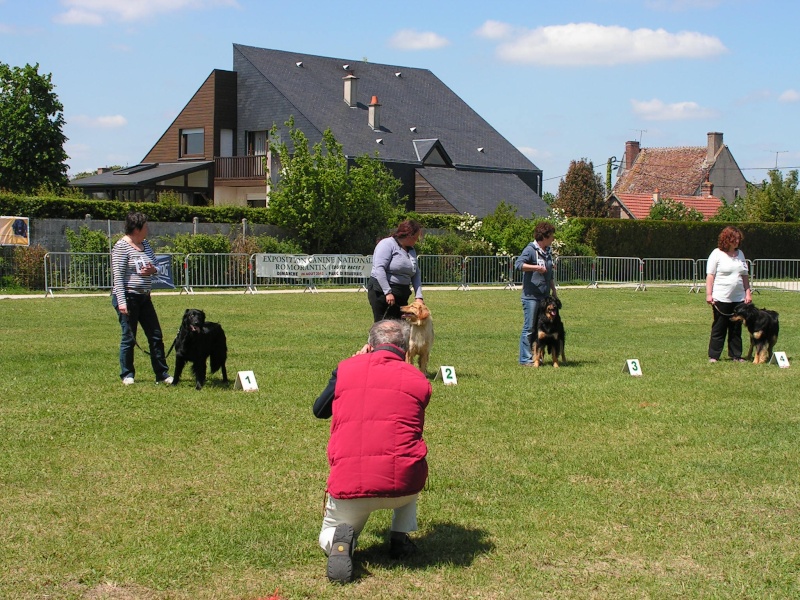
(331, 205)
(667, 209)
(582, 192)
(732, 212)
(31, 141)
(776, 200)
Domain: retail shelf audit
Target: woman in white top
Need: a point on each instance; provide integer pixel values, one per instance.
(727, 285)
(132, 267)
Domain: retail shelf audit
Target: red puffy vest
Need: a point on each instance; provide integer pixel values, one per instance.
(376, 448)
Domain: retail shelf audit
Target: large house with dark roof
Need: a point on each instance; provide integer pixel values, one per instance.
(699, 177)
(448, 158)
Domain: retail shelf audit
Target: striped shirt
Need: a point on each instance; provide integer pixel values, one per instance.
(124, 260)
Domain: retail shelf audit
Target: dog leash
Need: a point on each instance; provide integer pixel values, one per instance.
(135, 341)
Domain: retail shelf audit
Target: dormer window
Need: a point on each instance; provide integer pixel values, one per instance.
(192, 142)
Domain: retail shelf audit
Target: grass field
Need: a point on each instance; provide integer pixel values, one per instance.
(579, 482)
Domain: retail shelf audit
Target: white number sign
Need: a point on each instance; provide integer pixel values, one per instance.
(633, 367)
(246, 380)
(449, 375)
(779, 358)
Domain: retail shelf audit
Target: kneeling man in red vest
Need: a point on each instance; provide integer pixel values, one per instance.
(376, 452)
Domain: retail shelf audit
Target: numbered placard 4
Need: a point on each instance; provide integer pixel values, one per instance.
(246, 380)
(780, 359)
(633, 367)
(448, 375)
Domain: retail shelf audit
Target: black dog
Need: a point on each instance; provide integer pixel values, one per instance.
(763, 328)
(198, 340)
(549, 335)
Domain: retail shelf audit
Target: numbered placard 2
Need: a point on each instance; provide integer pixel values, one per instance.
(245, 380)
(633, 367)
(779, 358)
(448, 375)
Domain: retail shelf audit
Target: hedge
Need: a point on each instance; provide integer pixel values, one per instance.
(687, 239)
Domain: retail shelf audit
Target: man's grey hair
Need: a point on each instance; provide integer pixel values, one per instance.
(390, 331)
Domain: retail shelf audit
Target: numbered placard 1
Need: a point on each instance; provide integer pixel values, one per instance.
(245, 380)
(779, 358)
(633, 367)
(448, 375)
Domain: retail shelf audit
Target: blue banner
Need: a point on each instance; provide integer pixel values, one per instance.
(163, 279)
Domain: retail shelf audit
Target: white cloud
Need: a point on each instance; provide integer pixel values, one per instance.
(494, 30)
(789, 96)
(579, 44)
(95, 12)
(534, 153)
(657, 110)
(107, 122)
(409, 39)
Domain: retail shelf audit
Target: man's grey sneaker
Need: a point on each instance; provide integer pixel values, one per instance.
(401, 546)
(127, 381)
(340, 559)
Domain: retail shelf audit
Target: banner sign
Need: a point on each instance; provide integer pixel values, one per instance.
(163, 279)
(14, 231)
(313, 266)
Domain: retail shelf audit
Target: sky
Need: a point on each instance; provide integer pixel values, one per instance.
(562, 81)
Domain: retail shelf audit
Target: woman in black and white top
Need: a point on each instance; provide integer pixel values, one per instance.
(132, 267)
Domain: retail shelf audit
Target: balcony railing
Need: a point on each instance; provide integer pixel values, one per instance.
(240, 167)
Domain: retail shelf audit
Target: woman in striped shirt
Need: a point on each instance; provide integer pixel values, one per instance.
(132, 266)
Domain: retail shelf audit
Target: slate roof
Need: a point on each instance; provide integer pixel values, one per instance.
(480, 193)
(673, 171)
(638, 205)
(409, 98)
(140, 175)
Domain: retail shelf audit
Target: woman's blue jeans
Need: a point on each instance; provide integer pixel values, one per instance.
(140, 311)
(530, 307)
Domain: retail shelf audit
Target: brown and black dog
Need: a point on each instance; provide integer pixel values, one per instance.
(421, 341)
(549, 333)
(763, 327)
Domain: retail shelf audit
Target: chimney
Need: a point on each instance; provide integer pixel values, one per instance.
(351, 89)
(102, 170)
(714, 145)
(374, 114)
(656, 195)
(707, 189)
(631, 152)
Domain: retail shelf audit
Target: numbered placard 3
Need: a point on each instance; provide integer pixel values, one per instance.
(246, 380)
(780, 359)
(448, 375)
(633, 367)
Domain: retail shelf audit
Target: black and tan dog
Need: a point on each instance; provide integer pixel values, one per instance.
(549, 333)
(197, 341)
(763, 327)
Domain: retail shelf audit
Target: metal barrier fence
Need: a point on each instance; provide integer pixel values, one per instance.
(575, 270)
(669, 271)
(92, 271)
(776, 274)
(217, 271)
(618, 271)
(76, 270)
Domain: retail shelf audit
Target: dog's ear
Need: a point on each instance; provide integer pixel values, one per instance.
(558, 303)
(424, 313)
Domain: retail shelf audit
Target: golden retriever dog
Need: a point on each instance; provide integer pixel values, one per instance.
(421, 340)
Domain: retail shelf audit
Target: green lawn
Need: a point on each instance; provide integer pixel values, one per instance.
(579, 482)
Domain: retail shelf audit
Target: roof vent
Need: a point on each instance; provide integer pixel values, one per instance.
(299, 63)
(379, 141)
(346, 67)
(480, 149)
(414, 129)
(398, 74)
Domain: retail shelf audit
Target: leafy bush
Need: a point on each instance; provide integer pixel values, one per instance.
(186, 243)
(87, 240)
(29, 266)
